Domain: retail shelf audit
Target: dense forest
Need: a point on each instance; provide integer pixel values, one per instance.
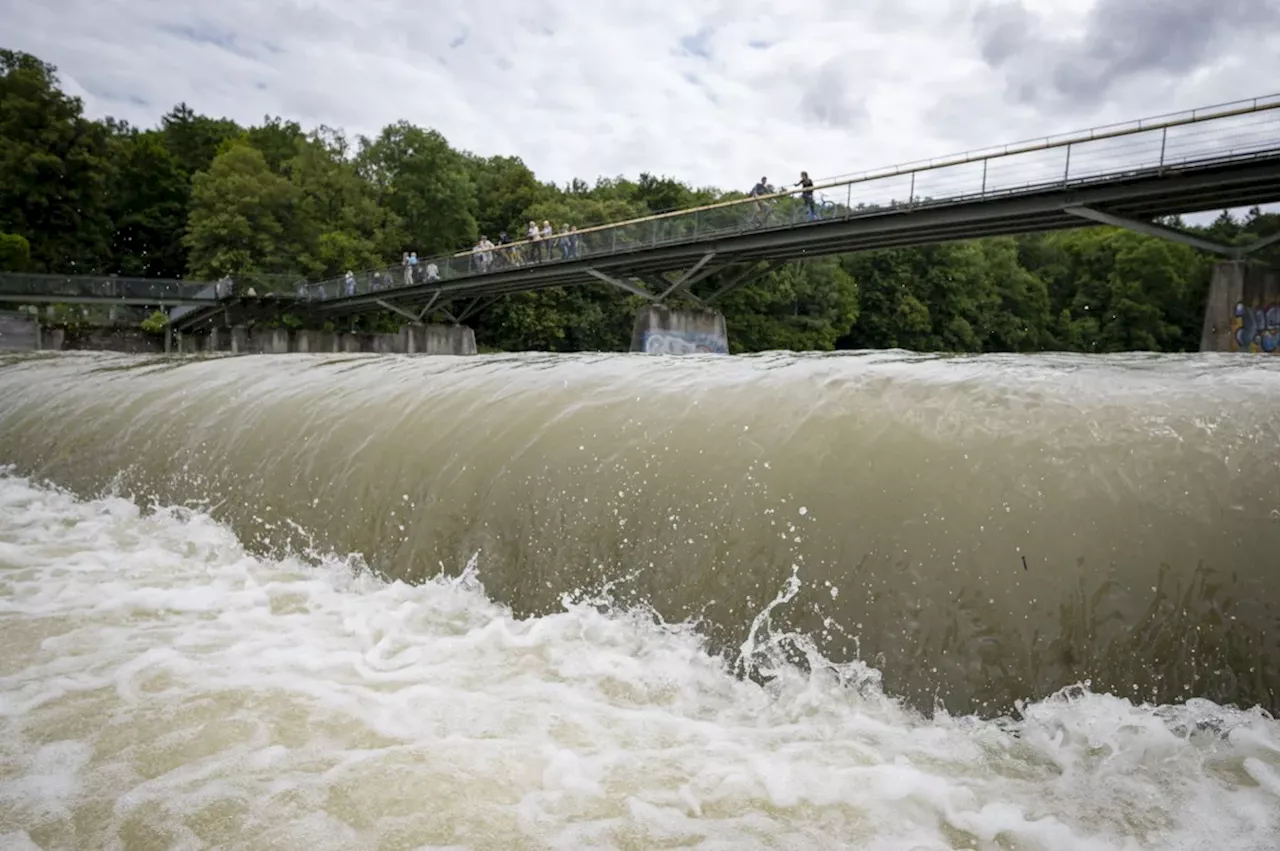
(203, 197)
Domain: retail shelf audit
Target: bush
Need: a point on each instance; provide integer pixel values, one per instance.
(154, 324)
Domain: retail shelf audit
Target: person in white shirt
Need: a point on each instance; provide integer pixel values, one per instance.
(535, 246)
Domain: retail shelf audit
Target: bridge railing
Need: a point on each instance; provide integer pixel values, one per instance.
(15, 286)
(1227, 133)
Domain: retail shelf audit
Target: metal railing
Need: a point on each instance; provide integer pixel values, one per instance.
(1227, 133)
(15, 286)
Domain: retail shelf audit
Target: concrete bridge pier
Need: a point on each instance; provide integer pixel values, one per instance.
(661, 330)
(440, 340)
(1242, 313)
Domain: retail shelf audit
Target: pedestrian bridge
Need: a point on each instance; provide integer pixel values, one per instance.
(1128, 174)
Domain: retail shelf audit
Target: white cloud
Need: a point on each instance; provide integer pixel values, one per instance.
(714, 92)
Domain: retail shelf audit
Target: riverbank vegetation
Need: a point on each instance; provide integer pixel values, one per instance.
(202, 197)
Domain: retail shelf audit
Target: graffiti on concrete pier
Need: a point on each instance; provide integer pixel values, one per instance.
(1257, 328)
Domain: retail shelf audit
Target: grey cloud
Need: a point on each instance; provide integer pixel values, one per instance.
(1121, 39)
(1003, 30)
(826, 100)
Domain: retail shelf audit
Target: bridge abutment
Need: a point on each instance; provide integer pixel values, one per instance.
(1242, 313)
(661, 330)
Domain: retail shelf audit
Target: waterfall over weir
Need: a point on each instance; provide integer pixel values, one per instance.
(982, 529)
(606, 601)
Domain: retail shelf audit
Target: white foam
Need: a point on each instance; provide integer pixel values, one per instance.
(161, 687)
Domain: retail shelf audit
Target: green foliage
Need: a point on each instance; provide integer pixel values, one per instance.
(241, 217)
(426, 183)
(148, 200)
(53, 169)
(270, 204)
(155, 323)
(15, 253)
(802, 306)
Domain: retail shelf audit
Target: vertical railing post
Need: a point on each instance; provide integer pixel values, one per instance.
(1066, 170)
(1164, 138)
(848, 201)
(613, 240)
(984, 178)
(911, 197)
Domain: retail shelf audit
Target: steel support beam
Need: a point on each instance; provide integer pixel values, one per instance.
(1158, 231)
(400, 310)
(662, 282)
(686, 278)
(631, 288)
(743, 278)
(476, 306)
(422, 313)
(1260, 244)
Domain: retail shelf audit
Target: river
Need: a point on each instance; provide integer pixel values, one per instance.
(867, 600)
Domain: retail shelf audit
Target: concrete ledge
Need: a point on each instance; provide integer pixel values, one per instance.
(659, 330)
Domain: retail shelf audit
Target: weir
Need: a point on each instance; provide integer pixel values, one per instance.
(980, 530)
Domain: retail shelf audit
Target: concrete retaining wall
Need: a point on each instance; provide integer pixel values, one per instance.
(18, 332)
(429, 339)
(131, 340)
(659, 330)
(22, 332)
(1243, 309)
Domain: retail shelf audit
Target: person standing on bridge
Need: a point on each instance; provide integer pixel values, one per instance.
(535, 246)
(758, 192)
(548, 240)
(807, 195)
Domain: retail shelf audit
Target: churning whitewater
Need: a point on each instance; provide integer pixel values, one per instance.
(160, 687)
(788, 601)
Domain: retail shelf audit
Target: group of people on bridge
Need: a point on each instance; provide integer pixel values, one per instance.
(764, 206)
(540, 243)
(543, 243)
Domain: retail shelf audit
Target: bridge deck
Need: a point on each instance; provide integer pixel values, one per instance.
(1207, 159)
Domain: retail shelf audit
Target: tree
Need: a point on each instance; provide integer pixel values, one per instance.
(338, 220)
(242, 217)
(506, 191)
(54, 169)
(15, 253)
(416, 175)
(148, 204)
(194, 139)
(802, 306)
(278, 140)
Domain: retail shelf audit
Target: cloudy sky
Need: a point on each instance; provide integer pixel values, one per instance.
(710, 91)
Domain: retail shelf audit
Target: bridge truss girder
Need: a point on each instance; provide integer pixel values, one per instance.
(1235, 252)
